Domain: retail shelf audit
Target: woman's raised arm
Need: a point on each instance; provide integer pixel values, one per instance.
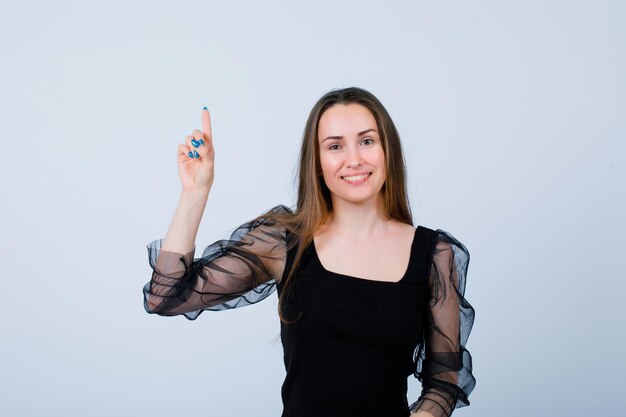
(196, 159)
(232, 272)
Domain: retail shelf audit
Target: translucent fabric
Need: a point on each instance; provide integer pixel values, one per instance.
(443, 364)
(231, 273)
(244, 270)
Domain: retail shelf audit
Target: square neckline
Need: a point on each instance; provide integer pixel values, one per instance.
(355, 278)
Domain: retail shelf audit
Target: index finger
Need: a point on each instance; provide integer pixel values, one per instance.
(206, 124)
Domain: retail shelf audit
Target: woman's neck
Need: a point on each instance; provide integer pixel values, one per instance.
(359, 221)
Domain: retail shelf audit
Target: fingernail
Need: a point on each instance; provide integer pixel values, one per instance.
(201, 142)
(196, 154)
(195, 143)
(205, 108)
(190, 154)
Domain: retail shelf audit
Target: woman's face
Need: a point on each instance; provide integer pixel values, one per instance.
(351, 153)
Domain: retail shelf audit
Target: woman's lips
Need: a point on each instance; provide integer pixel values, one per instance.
(357, 179)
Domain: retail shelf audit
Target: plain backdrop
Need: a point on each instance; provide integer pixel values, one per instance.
(512, 119)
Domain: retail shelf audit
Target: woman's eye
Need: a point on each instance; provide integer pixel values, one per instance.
(332, 147)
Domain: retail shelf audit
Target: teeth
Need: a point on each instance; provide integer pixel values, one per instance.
(357, 178)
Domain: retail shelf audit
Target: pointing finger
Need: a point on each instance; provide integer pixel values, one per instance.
(206, 124)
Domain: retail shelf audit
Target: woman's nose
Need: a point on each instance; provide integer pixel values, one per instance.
(354, 157)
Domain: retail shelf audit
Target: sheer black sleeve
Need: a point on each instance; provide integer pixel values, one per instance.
(444, 365)
(231, 273)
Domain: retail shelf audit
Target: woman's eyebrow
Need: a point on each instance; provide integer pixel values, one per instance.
(359, 134)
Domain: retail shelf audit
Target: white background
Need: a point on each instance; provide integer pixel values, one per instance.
(512, 117)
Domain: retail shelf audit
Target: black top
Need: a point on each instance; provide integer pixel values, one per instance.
(357, 340)
(352, 350)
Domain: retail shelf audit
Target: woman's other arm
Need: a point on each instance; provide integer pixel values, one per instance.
(446, 373)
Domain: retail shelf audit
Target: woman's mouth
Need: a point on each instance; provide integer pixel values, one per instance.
(357, 179)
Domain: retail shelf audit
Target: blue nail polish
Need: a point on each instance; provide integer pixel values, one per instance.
(201, 142)
(205, 108)
(195, 143)
(196, 154)
(190, 154)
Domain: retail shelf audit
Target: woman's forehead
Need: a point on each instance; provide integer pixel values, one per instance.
(345, 120)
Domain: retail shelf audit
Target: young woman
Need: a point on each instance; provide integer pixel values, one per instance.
(365, 298)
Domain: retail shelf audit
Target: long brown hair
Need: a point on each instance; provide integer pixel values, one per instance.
(314, 200)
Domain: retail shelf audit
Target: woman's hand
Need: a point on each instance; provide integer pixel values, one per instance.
(196, 157)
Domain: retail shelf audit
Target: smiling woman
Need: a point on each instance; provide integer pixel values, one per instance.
(365, 298)
(349, 158)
